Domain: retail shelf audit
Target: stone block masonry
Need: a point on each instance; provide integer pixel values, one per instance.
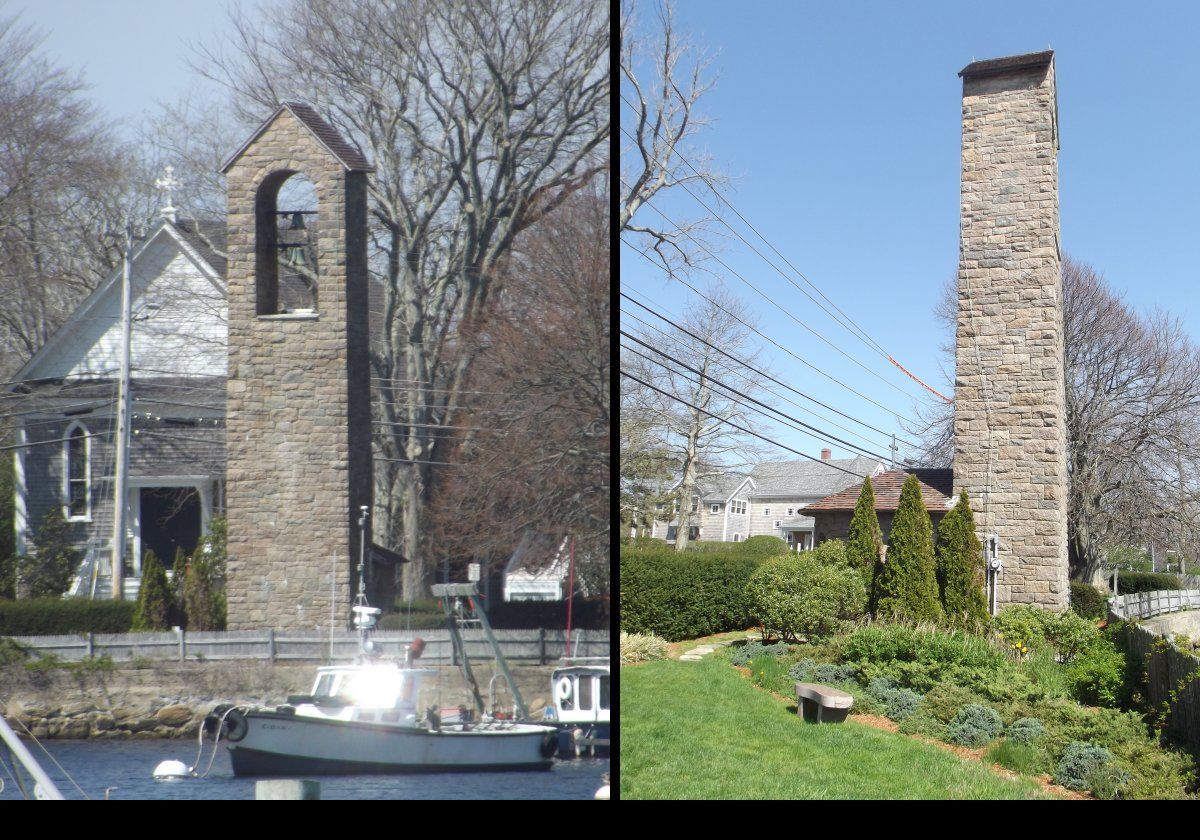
(298, 411)
(1010, 445)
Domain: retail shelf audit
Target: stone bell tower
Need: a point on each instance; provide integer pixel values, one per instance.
(298, 400)
(1010, 442)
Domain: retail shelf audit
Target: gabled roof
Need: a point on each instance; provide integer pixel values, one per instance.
(719, 488)
(937, 491)
(323, 132)
(809, 478)
(539, 554)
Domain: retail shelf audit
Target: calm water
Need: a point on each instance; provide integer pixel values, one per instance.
(125, 766)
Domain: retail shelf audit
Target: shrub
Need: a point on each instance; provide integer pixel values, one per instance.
(1088, 601)
(974, 726)
(865, 540)
(901, 703)
(1025, 730)
(880, 687)
(960, 570)
(906, 584)
(920, 658)
(1078, 762)
(47, 571)
(1023, 628)
(683, 596)
(1107, 782)
(1132, 582)
(802, 670)
(638, 647)
(60, 616)
(1097, 676)
(805, 595)
(752, 650)
(154, 607)
(826, 673)
(760, 547)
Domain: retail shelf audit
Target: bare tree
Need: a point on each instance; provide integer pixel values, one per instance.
(481, 118)
(696, 415)
(62, 190)
(663, 78)
(1133, 429)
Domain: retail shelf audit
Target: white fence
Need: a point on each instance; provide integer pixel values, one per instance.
(1150, 604)
(529, 646)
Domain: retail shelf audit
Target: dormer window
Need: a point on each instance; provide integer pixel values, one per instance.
(77, 474)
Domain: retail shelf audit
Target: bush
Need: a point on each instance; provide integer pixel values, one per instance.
(759, 548)
(906, 584)
(1079, 761)
(975, 725)
(1131, 582)
(826, 673)
(810, 594)
(1023, 628)
(60, 616)
(586, 614)
(47, 571)
(154, 607)
(752, 650)
(1088, 601)
(921, 658)
(1107, 782)
(1025, 730)
(960, 570)
(1021, 756)
(1097, 676)
(901, 703)
(684, 596)
(802, 670)
(636, 647)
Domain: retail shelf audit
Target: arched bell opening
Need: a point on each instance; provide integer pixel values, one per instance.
(286, 269)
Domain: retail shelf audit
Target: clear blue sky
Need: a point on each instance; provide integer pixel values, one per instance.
(840, 124)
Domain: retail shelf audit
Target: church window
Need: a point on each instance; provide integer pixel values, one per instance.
(77, 473)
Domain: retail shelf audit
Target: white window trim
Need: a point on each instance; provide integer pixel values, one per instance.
(87, 473)
(766, 511)
(715, 509)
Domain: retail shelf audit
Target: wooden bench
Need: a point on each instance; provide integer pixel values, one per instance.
(822, 704)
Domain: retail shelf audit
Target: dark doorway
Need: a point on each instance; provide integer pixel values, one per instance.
(170, 520)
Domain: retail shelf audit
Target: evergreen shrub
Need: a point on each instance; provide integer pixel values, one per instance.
(960, 570)
(684, 595)
(61, 616)
(752, 650)
(906, 585)
(1025, 730)
(1078, 762)
(1088, 601)
(865, 540)
(1130, 582)
(974, 726)
(154, 607)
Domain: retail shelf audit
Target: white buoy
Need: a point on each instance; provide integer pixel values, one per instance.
(602, 793)
(171, 770)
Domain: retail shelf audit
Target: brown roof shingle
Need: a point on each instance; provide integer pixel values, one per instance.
(937, 491)
(326, 135)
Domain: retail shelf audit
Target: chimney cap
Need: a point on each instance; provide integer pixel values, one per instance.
(1008, 64)
(826, 454)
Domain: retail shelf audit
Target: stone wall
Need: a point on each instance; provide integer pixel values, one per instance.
(1009, 422)
(298, 393)
(169, 700)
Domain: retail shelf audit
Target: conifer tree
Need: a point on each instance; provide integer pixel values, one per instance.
(47, 571)
(906, 583)
(960, 567)
(178, 573)
(204, 608)
(865, 540)
(154, 607)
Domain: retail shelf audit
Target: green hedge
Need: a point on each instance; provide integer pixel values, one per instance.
(684, 595)
(1131, 582)
(59, 616)
(760, 547)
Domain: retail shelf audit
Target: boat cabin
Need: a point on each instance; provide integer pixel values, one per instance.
(382, 693)
(581, 694)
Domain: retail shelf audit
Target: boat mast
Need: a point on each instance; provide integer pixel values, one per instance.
(46, 788)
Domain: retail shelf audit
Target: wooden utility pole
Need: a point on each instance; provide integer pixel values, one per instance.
(123, 418)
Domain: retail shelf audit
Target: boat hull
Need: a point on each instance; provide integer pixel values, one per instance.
(277, 744)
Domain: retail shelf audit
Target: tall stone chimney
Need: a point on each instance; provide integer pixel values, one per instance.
(1010, 401)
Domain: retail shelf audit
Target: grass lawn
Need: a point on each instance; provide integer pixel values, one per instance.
(699, 730)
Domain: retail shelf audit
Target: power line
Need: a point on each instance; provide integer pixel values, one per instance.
(773, 302)
(739, 428)
(765, 375)
(820, 433)
(849, 323)
(758, 332)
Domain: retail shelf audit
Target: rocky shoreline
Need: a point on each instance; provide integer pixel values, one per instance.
(170, 700)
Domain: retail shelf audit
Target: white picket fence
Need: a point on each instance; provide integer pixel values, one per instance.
(1150, 604)
(528, 646)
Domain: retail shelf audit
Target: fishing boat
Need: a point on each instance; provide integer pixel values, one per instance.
(366, 717)
(581, 691)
